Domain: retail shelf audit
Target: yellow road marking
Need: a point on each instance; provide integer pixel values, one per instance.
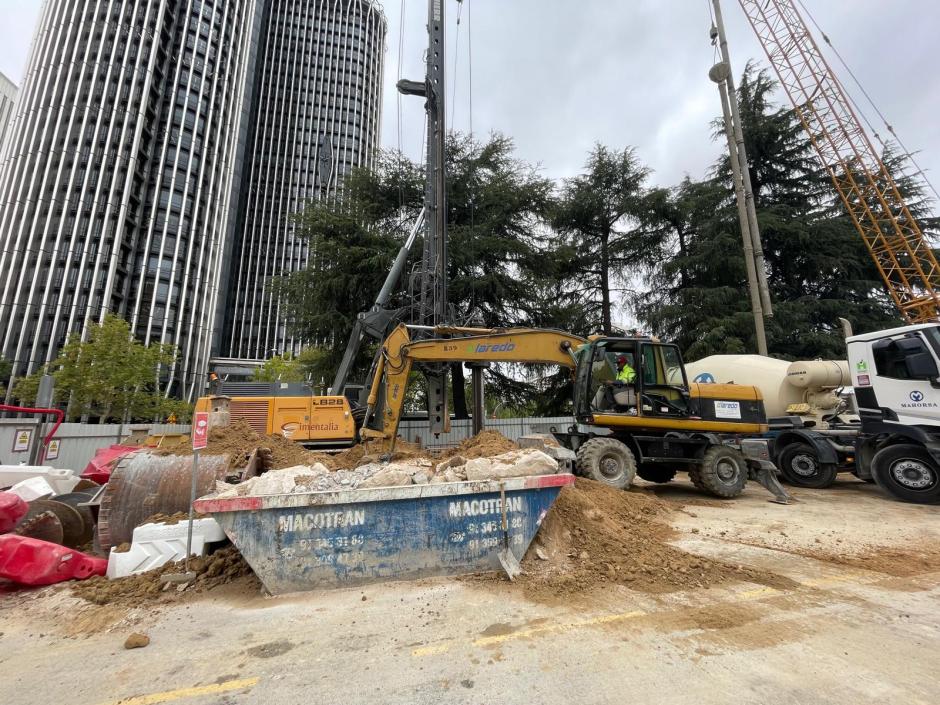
(444, 647)
(861, 578)
(557, 627)
(757, 593)
(171, 695)
(431, 650)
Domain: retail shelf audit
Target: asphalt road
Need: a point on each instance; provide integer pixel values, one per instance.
(842, 634)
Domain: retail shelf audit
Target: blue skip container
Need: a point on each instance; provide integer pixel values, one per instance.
(311, 540)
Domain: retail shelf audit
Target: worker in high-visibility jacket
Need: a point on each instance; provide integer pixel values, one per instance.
(625, 373)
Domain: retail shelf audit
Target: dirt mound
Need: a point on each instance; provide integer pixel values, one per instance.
(370, 452)
(595, 535)
(483, 445)
(220, 568)
(169, 519)
(239, 439)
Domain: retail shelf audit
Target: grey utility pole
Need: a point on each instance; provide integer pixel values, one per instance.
(717, 74)
(723, 74)
(432, 302)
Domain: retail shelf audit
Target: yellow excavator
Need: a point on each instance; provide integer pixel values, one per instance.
(653, 426)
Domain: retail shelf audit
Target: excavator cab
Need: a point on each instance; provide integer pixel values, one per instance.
(657, 387)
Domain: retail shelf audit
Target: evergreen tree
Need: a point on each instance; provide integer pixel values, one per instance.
(496, 207)
(604, 216)
(818, 267)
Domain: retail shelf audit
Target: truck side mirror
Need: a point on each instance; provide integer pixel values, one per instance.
(921, 366)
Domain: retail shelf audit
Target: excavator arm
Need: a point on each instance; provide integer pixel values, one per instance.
(400, 353)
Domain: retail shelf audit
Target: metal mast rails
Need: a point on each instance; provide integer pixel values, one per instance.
(896, 243)
(432, 299)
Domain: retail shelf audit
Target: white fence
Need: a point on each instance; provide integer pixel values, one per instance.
(416, 431)
(77, 441)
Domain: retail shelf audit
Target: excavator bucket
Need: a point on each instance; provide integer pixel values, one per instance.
(144, 484)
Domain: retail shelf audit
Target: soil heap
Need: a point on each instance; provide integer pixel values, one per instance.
(595, 535)
(483, 445)
(223, 567)
(239, 439)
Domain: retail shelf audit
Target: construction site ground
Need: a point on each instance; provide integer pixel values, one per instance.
(850, 613)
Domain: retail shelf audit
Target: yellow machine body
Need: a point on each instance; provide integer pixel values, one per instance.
(310, 420)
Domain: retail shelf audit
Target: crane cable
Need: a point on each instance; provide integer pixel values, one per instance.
(906, 152)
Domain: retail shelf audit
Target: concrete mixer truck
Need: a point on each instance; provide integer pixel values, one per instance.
(876, 415)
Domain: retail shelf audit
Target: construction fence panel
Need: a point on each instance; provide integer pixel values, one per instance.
(78, 442)
(416, 430)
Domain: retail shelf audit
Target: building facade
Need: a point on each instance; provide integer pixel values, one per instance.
(7, 98)
(119, 174)
(317, 115)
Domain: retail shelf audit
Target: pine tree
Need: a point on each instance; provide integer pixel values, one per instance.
(818, 267)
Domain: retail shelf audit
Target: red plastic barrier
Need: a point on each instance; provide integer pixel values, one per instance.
(99, 468)
(12, 509)
(33, 562)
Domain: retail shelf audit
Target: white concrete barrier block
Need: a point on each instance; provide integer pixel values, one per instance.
(62, 480)
(32, 488)
(155, 545)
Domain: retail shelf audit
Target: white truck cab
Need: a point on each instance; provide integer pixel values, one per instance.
(896, 376)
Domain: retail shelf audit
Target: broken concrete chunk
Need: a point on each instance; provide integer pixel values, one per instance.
(389, 477)
(539, 441)
(517, 463)
(454, 462)
(421, 478)
(281, 481)
(452, 475)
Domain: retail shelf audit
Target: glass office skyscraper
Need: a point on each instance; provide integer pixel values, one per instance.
(142, 131)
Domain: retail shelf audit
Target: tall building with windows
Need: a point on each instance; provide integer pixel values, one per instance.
(7, 98)
(149, 141)
(317, 115)
(119, 174)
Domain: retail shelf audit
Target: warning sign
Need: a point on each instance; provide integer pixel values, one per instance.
(21, 440)
(200, 430)
(52, 450)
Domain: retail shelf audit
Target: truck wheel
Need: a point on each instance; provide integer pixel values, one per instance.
(656, 474)
(723, 472)
(801, 467)
(607, 460)
(908, 472)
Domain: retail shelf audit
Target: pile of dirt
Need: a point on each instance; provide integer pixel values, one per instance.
(224, 567)
(483, 445)
(370, 452)
(595, 535)
(169, 519)
(238, 440)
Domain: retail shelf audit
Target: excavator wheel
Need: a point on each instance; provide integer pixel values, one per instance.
(656, 474)
(607, 460)
(723, 472)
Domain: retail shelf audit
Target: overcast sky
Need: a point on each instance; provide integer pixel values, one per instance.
(559, 75)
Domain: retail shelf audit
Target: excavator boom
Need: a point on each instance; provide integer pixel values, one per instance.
(399, 353)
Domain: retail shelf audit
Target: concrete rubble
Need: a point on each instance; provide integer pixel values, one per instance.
(410, 471)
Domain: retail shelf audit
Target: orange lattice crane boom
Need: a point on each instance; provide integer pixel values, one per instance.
(896, 242)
